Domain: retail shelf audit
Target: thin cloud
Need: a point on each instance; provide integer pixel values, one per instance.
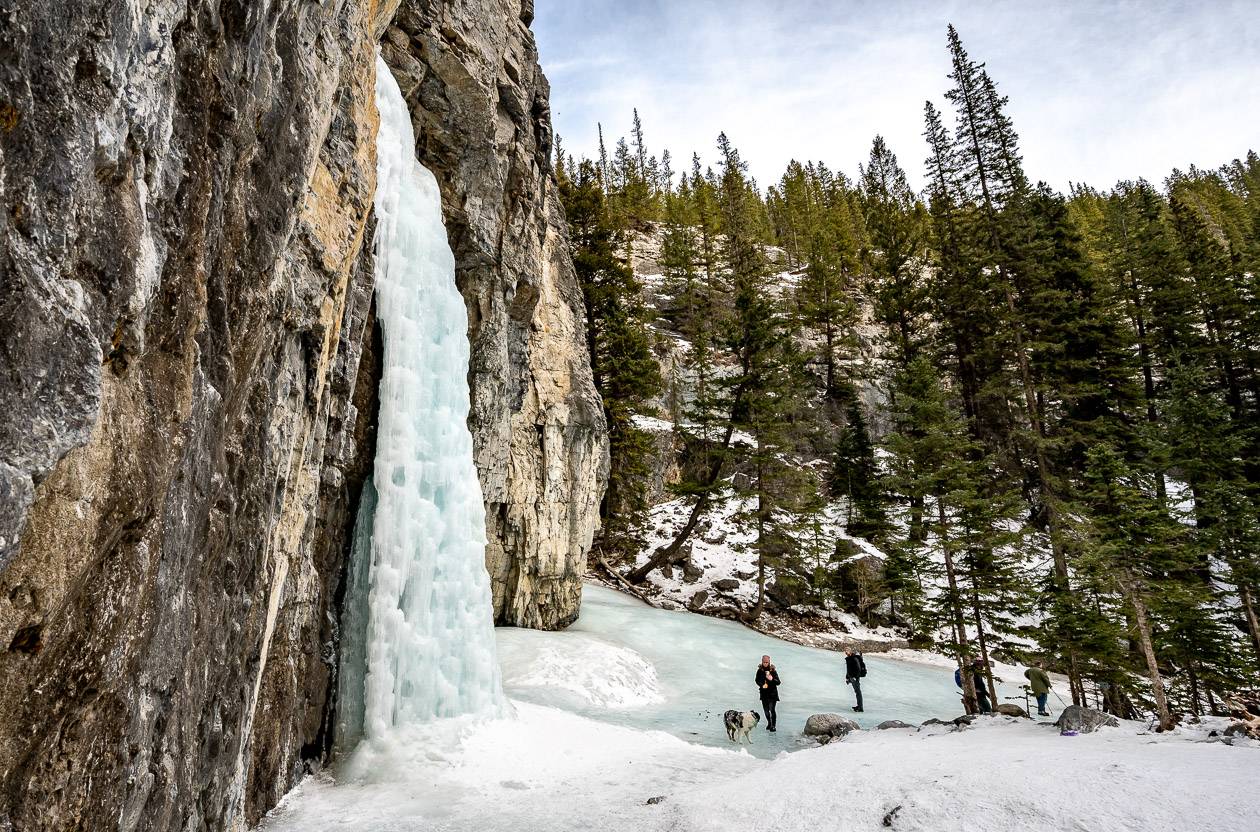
(1099, 91)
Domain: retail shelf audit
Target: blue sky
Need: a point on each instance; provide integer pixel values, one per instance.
(1099, 91)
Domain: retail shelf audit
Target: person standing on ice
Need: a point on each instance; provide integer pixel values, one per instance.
(768, 690)
(1039, 681)
(982, 692)
(854, 670)
(977, 679)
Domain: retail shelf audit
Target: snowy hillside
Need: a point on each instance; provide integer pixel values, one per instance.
(719, 578)
(719, 575)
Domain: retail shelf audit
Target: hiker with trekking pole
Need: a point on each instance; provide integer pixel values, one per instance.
(1040, 683)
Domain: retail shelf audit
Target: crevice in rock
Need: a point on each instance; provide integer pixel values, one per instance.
(29, 640)
(366, 401)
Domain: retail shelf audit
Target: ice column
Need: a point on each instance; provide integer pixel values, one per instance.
(430, 649)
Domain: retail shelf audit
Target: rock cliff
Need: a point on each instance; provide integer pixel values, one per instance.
(188, 371)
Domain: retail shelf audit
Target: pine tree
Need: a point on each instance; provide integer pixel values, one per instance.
(933, 454)
(895, 258)
(1205, 448)
(895, 254)
(765, 390)
(625, 371)
(855, 476)
(1211, 223)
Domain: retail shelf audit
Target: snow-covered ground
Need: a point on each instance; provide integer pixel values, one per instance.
(581, 754)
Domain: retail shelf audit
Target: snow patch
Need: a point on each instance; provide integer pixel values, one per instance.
(586, 668)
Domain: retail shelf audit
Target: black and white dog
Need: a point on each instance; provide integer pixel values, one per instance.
(740, 724)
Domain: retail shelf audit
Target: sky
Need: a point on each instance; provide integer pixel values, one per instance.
(1099, 91)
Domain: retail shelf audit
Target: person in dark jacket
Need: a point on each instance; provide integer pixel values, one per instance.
(854, 670)
(768, 690)
(982, 689)
(977, 678)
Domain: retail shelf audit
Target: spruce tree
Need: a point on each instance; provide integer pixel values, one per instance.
(625, 371)
(932, 453)
(894, 255)
(856, 477)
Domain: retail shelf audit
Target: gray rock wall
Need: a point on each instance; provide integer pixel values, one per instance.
(187, 379)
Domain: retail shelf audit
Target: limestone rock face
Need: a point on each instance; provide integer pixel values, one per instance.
(479, 103)
(188, 375)
(184, 303)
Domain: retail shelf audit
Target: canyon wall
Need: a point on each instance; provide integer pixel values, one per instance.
(188, 365)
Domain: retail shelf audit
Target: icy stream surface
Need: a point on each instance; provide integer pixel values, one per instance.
(424, 633)
(629, 664)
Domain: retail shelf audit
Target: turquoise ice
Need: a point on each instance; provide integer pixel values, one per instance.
(422, 647)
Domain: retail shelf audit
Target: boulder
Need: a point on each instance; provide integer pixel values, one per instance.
(829, 726)
(788, 592)
(697, 600)
(965, 720)
(937, 726)
(1011, 709)
(1243, 710)
(892, 723)
(691, 572)
(1084, 720)
(725, 584)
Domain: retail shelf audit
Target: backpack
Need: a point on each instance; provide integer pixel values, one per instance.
(861, 665)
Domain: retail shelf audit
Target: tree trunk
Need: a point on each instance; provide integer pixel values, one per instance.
(970, 701)
(829, 336)
(1129, 586)
(916, 533)
(762, 512)
(669, 554)
(1196, 706)
(983, 644)
(1253, 625)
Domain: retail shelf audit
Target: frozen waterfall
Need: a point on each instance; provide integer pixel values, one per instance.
(422, 645)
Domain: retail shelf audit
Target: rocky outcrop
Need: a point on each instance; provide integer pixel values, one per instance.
(479, 103)
(187, 378)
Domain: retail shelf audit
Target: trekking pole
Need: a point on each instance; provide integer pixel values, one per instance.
(1060, 698)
